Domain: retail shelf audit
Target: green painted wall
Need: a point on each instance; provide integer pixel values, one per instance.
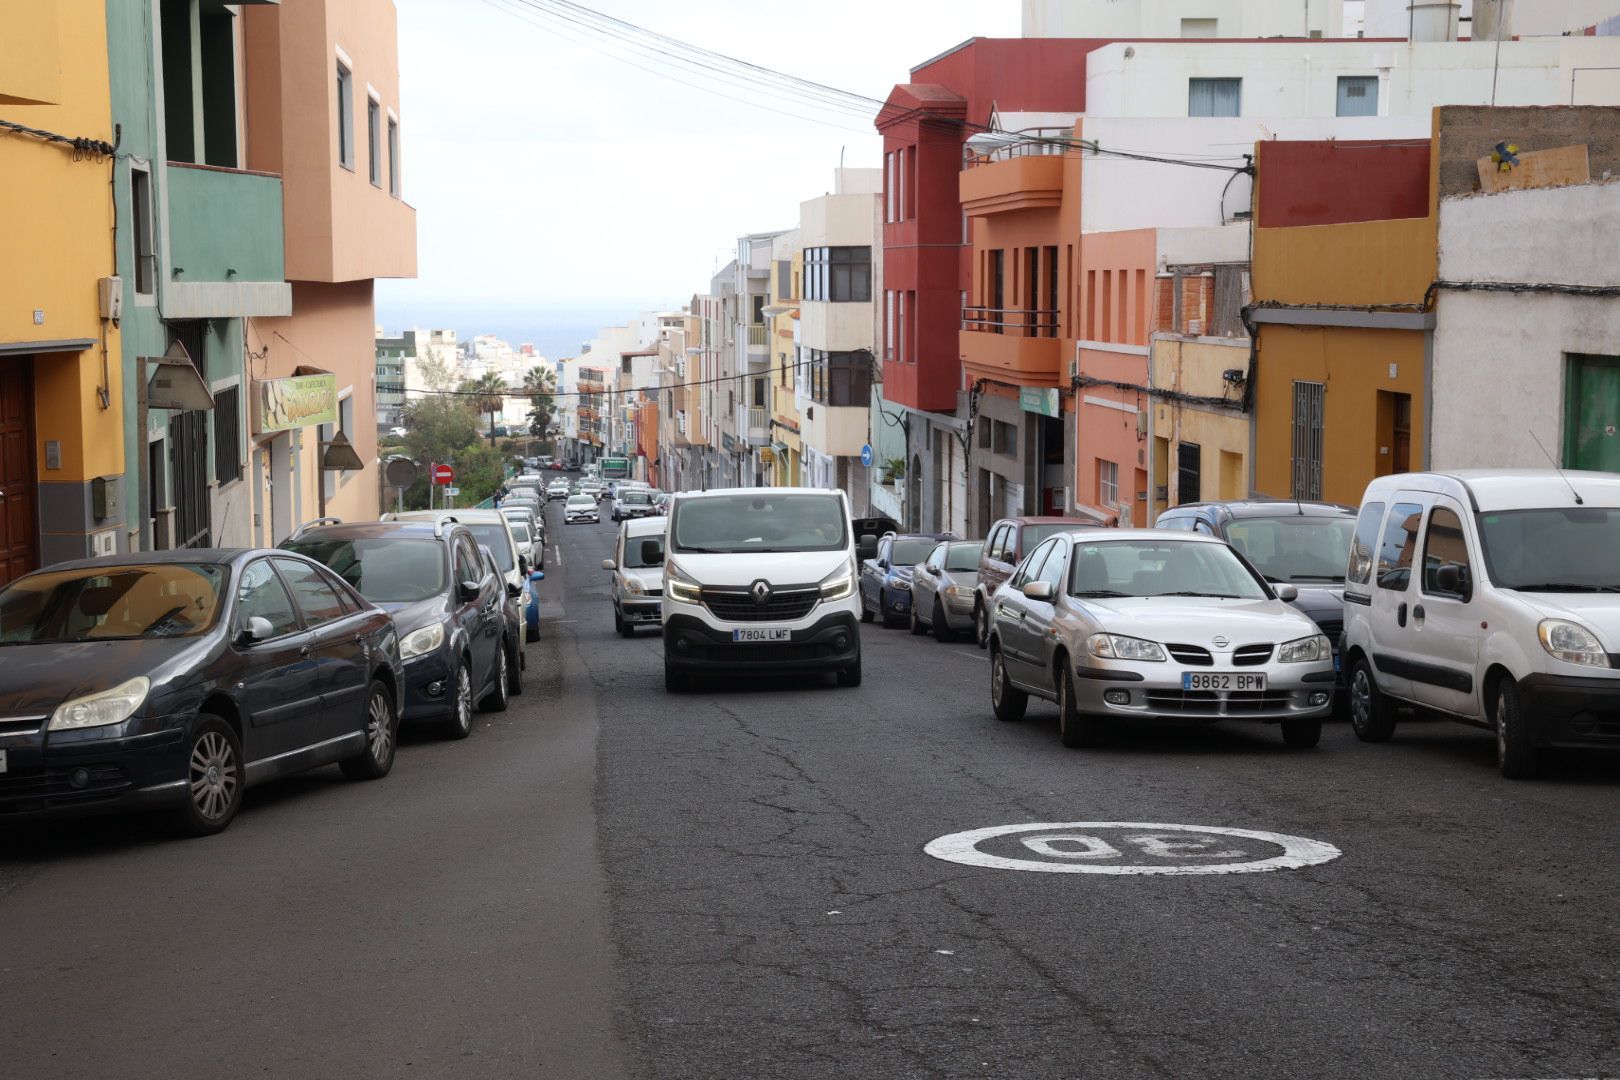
(221, 222)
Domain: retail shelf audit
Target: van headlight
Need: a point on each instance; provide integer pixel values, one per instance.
(1572, 643)
(632, 587)
(99, 710)
(681, 588)
(838, 584)
(1305, 650)
(1120, 647)
(421, 642)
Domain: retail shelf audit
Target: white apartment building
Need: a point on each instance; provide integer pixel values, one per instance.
(1183, 18)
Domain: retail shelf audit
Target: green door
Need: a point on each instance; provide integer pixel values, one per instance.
(1592, 414)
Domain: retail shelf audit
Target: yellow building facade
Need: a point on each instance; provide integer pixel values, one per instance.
(61, 403)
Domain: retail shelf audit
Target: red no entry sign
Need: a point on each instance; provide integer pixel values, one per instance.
(443, 474)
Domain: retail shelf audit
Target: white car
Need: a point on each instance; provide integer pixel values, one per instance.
(580, 508)
(638, 574)
(760, 580)
(557, 489)
(491, 529)
(1492, 598)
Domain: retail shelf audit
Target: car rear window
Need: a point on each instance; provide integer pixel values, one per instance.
(385, 570)
(963, 556)
(116, 603)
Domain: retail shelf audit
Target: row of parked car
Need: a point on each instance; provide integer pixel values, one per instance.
(1486, 597)
(175, 680)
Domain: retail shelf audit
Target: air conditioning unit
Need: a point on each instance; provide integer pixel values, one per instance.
(1195, 327)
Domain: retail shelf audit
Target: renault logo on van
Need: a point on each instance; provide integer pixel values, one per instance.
(761, 591)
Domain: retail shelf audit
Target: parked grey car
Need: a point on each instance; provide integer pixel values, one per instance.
(942, 589)
(1129, 624)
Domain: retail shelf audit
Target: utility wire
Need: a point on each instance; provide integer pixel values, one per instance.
(95, 149)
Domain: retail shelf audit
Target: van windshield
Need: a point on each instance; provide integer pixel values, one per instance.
(725, 524)
(1569, 549)
(1295, 548)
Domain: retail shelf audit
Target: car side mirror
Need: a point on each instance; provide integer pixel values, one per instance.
(866, 547)
(258, 629)
(652, 552)
(609, 564)
(468, 591)
(1040, 590)
(1286, 592)
(513, 589)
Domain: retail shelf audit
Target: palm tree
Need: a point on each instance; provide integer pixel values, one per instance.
(539, 384)
(489, 395)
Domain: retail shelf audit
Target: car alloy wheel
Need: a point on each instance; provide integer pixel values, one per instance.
(981, 625)
(499, 695)
(214, 776)
(380, 729)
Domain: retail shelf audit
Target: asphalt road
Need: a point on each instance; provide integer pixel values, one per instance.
(608, 880)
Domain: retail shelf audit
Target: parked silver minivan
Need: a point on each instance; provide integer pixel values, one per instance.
(1493, 598)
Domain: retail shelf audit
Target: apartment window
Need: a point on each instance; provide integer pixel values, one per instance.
(900, 347)
(889, 187)
(1214, 97)
(784, 278)
(374, 139)
(1309, 405)
(888, 325)
(841, 379)
(757, 304)
(345, 117)
(838, 274)
(759, 393)
(1199, 28)
(900, 173)
(393, 157)
(140, 194)
(1108, 483)
(227, 435)
(1189, 473)
(1358, 95)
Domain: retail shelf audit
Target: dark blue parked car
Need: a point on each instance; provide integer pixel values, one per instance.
(886, 575)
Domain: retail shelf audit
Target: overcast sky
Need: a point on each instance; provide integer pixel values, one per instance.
(547, 176)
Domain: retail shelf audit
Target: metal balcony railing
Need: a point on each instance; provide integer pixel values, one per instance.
(756, 335)
(1014, 322)
(759, 423)
(993, 146)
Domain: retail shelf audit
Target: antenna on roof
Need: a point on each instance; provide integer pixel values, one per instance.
(1559, 469)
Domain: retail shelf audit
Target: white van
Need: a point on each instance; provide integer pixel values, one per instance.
(760, 580)
(1491, 597)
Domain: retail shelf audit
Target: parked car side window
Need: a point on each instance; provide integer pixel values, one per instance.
(1203, 527)
(1056, 561)
(1395, 552)
(316, 599)
(1031, 568)
(260, 594)
(936, 559)
(1443, 545)
(997, 548)
(1361, 550)
(467, 568)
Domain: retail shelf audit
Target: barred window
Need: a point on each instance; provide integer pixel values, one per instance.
(227, 435)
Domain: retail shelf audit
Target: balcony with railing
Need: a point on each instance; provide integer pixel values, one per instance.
(1012, 344)
(759, 425)
(758, 336)
(1015, 170)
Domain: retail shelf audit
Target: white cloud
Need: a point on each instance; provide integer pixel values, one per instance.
(547, 174)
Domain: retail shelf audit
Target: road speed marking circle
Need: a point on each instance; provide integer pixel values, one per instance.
(1123, 847)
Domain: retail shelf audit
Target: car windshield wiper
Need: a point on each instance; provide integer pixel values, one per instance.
(1212, 595)
(683, 550)
(1565, 586)
(1316, 577)
(1099, 594)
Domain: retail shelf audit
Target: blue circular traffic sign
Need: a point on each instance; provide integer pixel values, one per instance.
(866, 455)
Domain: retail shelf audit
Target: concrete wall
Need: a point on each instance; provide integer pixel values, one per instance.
(1467, 134)
(1388, 18)
(1499, 358)
(1194, 366)
(1163, 18)
(1286, 80)
(1119, 193)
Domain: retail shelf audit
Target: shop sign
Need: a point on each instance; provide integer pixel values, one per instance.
(728, 442)
(303, 400)
(1034, 399)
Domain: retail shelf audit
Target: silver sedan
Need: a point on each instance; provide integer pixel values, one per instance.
(942, 589)
(1130, 624)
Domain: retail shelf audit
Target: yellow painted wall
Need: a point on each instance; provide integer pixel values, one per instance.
(57, 229)
(1367, 262)
(1195, 367)
(1354, 365)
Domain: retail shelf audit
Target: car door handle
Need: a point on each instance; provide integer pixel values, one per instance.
(304, 650)
(1400, 615)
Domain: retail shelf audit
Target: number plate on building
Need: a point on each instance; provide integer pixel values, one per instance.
(762, 633)
(1222, 681)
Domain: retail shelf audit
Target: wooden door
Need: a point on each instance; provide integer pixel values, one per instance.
(1592, 422)
(19, 512)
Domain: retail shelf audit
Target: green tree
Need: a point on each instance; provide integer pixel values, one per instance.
(490, 393)
(437, 430)
(540, 384)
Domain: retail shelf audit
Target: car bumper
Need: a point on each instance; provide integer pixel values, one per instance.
(896, 601)
(642, 610)
(829, 643)
(430, 690)
(959, 613)
(68, 774)
(1126, 690)
(1571, 710)
(573, 519)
